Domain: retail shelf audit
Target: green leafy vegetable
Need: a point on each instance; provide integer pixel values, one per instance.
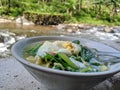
(96, 64)
(50, 57)
(85, 60)
(32, 51)
(67, 60)
(87, 69)
(55, 58)
(58, 66)
(86, 54)
(76, 42)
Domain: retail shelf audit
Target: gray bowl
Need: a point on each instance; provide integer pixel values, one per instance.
(63, 80)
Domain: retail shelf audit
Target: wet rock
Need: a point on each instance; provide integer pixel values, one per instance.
(106, 36)
(2, 48)
(61, 26)
(72, 25)
(1, 38)
(33, 31)
(6, 33)
(6, 40)
(69, 30)
(100, 28)
(92, 30)
(20, 37)
(23, 21)
(9, 40)
(82, 26)
(78, 31)
(19, 20)
(116, 29)
(108, 29)
(117, 34)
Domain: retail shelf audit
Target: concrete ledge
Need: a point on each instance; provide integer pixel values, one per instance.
(13, 76)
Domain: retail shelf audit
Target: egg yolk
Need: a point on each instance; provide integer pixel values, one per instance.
(69, 46)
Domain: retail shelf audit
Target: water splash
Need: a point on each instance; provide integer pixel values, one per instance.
(7, 39)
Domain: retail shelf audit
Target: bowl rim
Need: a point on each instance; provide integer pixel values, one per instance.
(49, 70)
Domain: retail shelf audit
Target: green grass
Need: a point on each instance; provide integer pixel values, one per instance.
(44, 13)
(93, 21)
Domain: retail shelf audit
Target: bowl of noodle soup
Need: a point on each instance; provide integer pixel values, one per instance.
(52, 61)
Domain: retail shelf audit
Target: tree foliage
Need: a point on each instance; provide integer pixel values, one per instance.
(100, 9)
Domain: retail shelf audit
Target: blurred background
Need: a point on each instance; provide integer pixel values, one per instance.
(92, 19)
(97, 20)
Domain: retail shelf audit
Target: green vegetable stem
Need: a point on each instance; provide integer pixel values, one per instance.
(67, 60)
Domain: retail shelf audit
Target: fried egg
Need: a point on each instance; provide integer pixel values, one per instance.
(58, 46)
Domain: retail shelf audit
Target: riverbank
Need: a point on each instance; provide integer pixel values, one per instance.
(11, 32)
(13, 71)
(83, 23)
(72, 27)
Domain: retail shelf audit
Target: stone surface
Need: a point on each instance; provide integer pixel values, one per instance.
(13, 76)
(116, 29)
(23, 21)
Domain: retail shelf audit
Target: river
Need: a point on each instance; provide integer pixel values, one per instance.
(10, 32)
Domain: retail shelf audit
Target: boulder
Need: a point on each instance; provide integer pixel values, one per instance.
(116, 29)
(108, 29)
(23, 21)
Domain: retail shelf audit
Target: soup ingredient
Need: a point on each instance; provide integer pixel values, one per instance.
(58, 46)
(67, 60)
(33, 50)
(65, 55)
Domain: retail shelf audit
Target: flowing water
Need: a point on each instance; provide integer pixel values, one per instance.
(12, 32)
